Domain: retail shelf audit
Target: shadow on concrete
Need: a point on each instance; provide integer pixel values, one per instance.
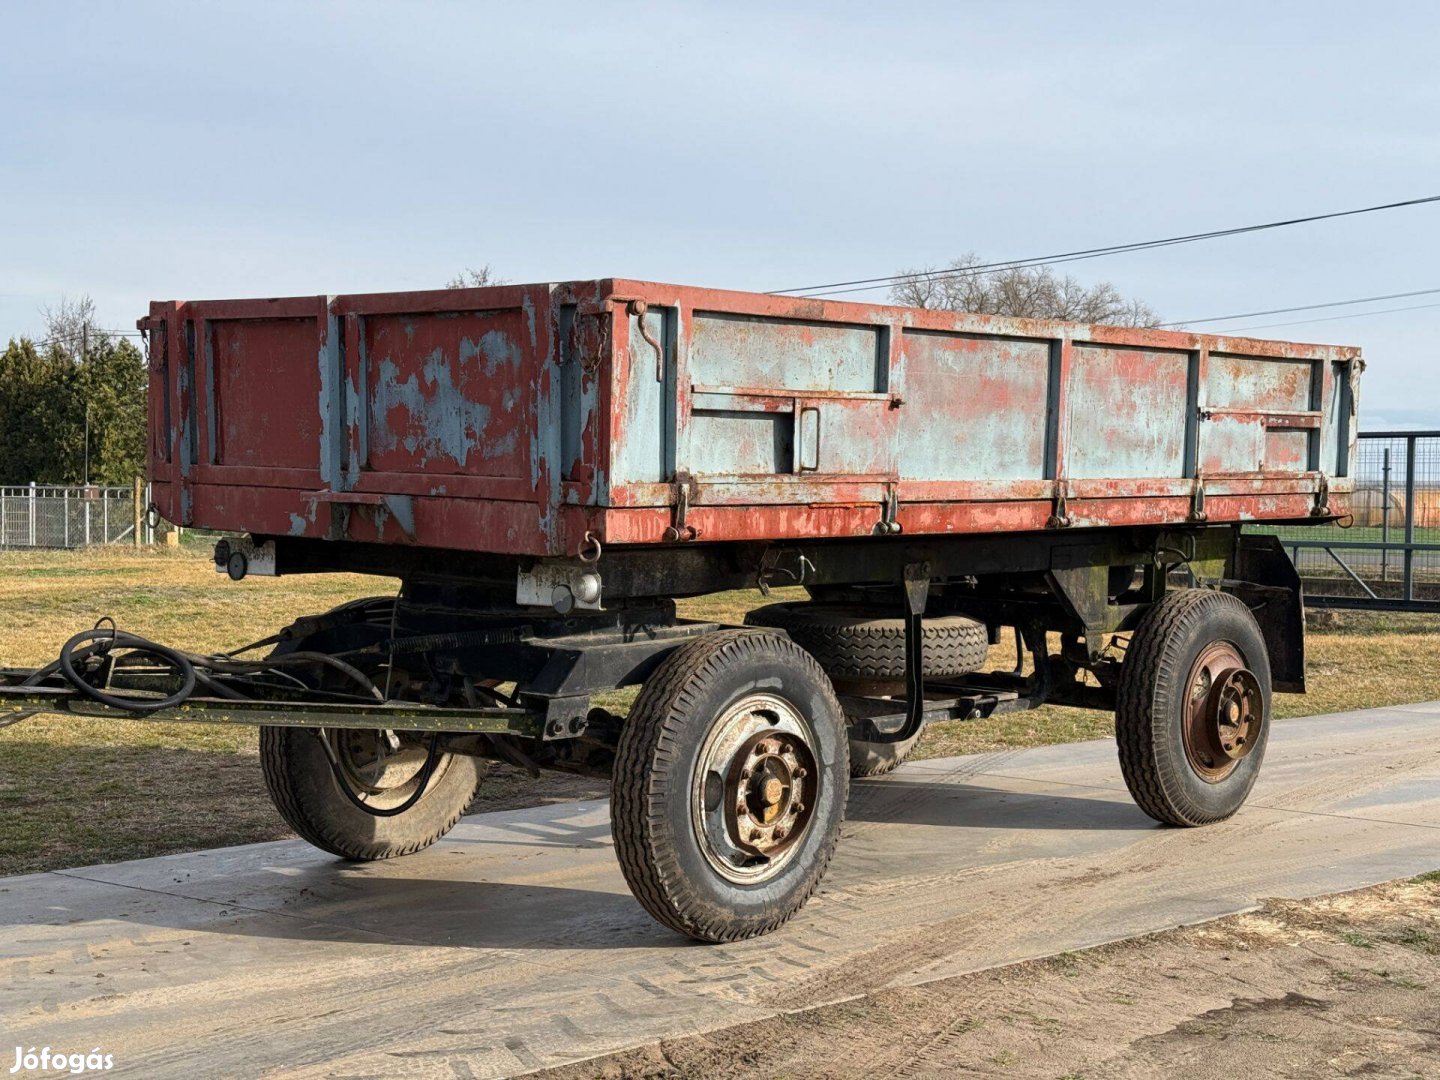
(968, 806)
(378, 904)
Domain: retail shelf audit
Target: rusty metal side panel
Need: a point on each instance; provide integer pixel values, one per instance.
(975, 407)
(733, 349)
(422, 418)
(248, 364)
(447, 393)
(1127, 411)
(1260, 415)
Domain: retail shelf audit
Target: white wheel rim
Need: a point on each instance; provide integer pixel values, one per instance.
(754, 789)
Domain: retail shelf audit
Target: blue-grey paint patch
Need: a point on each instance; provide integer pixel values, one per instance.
(402, 509)
(297, 524)
(353, 397)
(185, 385)
(332, 410)
(643, 456)
(443, 421)
(528, 307)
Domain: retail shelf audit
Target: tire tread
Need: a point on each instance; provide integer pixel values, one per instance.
(644, 834)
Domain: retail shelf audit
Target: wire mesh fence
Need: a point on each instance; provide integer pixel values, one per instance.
(1388, 554)
(43, 516)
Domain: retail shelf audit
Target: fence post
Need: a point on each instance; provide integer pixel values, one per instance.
(31, 522)
(65, 513)
(1385, 517)
(139, 508)
(1409, 518)
(85, 501)
(105, 515)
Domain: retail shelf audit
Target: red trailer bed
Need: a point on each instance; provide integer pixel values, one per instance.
(523, 419)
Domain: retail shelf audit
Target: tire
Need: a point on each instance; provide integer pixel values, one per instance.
(304, 789)
(663, 813)
(850, 642)
(877, 759)
(1158, 684)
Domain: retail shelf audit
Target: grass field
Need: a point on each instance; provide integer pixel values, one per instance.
(81, 791)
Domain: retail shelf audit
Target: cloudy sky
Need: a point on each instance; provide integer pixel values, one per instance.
(184, 150)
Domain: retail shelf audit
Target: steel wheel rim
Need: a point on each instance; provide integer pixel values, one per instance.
(377, 772)
(1224, 712)
(755, 789)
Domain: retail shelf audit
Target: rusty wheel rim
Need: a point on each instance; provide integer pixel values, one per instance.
(755, 790)
(1225, 712)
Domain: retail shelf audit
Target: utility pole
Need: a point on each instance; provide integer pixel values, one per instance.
(84, 352)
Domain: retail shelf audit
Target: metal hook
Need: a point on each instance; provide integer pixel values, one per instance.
(640, 309)
(590, 539)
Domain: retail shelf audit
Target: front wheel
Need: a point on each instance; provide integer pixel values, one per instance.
(729, 787)
(1193, 711)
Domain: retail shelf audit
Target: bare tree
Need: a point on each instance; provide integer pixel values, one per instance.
(475, 279)
(70, 326)
(1034, 292)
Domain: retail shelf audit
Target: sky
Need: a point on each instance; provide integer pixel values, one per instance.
(189, 150)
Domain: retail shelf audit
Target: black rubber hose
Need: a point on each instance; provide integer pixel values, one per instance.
(422, 779)
(106, 638)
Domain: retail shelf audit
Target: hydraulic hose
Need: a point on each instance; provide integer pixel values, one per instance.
(88, 643)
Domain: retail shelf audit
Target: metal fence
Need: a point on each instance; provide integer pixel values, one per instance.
(1388, 556)
(39, 516)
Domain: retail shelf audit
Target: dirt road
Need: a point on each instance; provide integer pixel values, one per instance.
(1339, 986)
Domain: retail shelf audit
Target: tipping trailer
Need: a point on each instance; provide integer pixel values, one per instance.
(546, 468)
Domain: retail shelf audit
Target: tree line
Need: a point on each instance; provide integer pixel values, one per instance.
(72, 404)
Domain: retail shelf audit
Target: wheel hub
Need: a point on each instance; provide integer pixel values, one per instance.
(1226, 712)
(768, 781)
(756, 789)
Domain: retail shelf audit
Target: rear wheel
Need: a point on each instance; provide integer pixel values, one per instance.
(346, 791)
(729, 785)
(1193, 710)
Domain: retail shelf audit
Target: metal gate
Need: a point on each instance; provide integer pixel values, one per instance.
(1388, 557)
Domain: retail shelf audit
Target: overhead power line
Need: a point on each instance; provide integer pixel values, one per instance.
(1303, 307)
(867, 284)
(1330, 318)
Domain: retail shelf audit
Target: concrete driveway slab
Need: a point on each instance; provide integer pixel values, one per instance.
(514, 944)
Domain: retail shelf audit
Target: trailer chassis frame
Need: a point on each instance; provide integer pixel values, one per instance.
(1086, 585)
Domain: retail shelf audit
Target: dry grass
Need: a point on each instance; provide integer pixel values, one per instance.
(78, 791)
